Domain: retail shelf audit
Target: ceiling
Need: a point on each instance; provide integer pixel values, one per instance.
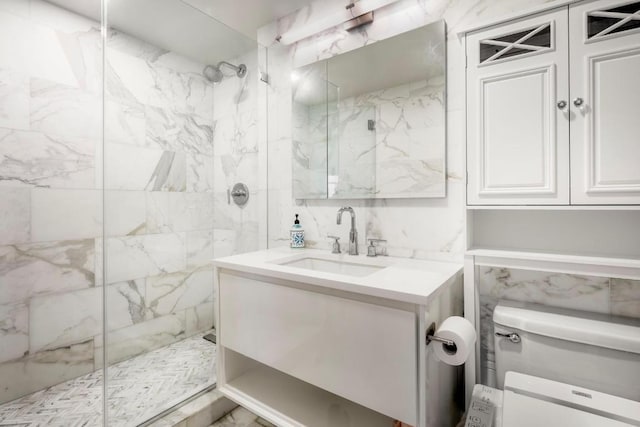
(192, 28)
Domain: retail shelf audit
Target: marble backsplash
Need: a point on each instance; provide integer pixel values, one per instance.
(618, 297)
(150, 199)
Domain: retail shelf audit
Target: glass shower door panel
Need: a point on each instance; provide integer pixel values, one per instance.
(50, 213)
(179, 111)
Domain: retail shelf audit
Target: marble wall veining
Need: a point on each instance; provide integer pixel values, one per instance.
(134, 217)
(51, 211)
(237, 135)
(311, 158)
(337, 155)
(618, 297)
(412, 227)
(159, 198)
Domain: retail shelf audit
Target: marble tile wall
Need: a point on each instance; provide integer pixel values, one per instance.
(166, 183)
(413, 227)
(310, 155)
(619, 297)
(150, 199)
(354, 163)
(51, 210)
(390, 161)
(237, 134)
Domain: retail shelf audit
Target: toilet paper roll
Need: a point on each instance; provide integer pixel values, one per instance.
(462, 333)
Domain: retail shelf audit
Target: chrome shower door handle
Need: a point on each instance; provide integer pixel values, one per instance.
(562, 105)
(578, 102)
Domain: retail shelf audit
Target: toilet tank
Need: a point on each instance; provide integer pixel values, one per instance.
(590, 350)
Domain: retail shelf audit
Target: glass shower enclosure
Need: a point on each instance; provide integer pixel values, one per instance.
(117, 149)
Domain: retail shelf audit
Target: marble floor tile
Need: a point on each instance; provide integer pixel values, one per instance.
(144, 386)
(241, 417)
(201, 411)
(137, 389)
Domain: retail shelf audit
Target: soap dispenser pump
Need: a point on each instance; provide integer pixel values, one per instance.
(296, 234)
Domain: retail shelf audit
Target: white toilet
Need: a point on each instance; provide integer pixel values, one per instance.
(558, 367)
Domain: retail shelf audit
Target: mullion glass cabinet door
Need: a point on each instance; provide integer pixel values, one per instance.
(605, 94)
(517, 115)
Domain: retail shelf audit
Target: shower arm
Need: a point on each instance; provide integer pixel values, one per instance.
(228, 64)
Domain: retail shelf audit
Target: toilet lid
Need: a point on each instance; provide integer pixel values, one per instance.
(533, 402)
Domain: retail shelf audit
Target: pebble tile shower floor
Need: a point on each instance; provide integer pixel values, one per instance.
(138, 389)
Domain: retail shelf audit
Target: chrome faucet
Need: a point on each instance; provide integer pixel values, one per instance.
(353, 234)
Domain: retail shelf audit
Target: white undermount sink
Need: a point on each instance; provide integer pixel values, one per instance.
(336, 267)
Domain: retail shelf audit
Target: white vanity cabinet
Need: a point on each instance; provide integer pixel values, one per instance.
(553, 116)
(363, 352)
(308, 348)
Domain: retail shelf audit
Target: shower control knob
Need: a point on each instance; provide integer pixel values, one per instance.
(239, 193)
(578, 102)
(562, 105)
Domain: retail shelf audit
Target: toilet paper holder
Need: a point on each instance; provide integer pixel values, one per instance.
(431, 336)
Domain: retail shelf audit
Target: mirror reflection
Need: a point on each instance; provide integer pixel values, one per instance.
(370, 123)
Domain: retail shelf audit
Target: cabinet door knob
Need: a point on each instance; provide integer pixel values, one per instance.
(562, 105)
(578, 102)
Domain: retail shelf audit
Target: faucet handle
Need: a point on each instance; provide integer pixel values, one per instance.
(376, 240)
(336, 245)
(371, 249)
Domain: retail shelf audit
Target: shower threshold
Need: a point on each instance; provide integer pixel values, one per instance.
(138, 389)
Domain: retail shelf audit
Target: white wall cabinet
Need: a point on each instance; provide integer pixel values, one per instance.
(605, 81)
(553, 111)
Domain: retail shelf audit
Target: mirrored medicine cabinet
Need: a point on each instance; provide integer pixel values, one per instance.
(371, 123)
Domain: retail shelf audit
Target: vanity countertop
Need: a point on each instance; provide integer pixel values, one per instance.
(399, 279)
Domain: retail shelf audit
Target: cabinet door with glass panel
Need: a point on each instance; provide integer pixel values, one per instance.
(553, 116)
(517, 127)
(605, 100)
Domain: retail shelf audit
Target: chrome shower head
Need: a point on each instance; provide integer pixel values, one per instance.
(215, 75)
